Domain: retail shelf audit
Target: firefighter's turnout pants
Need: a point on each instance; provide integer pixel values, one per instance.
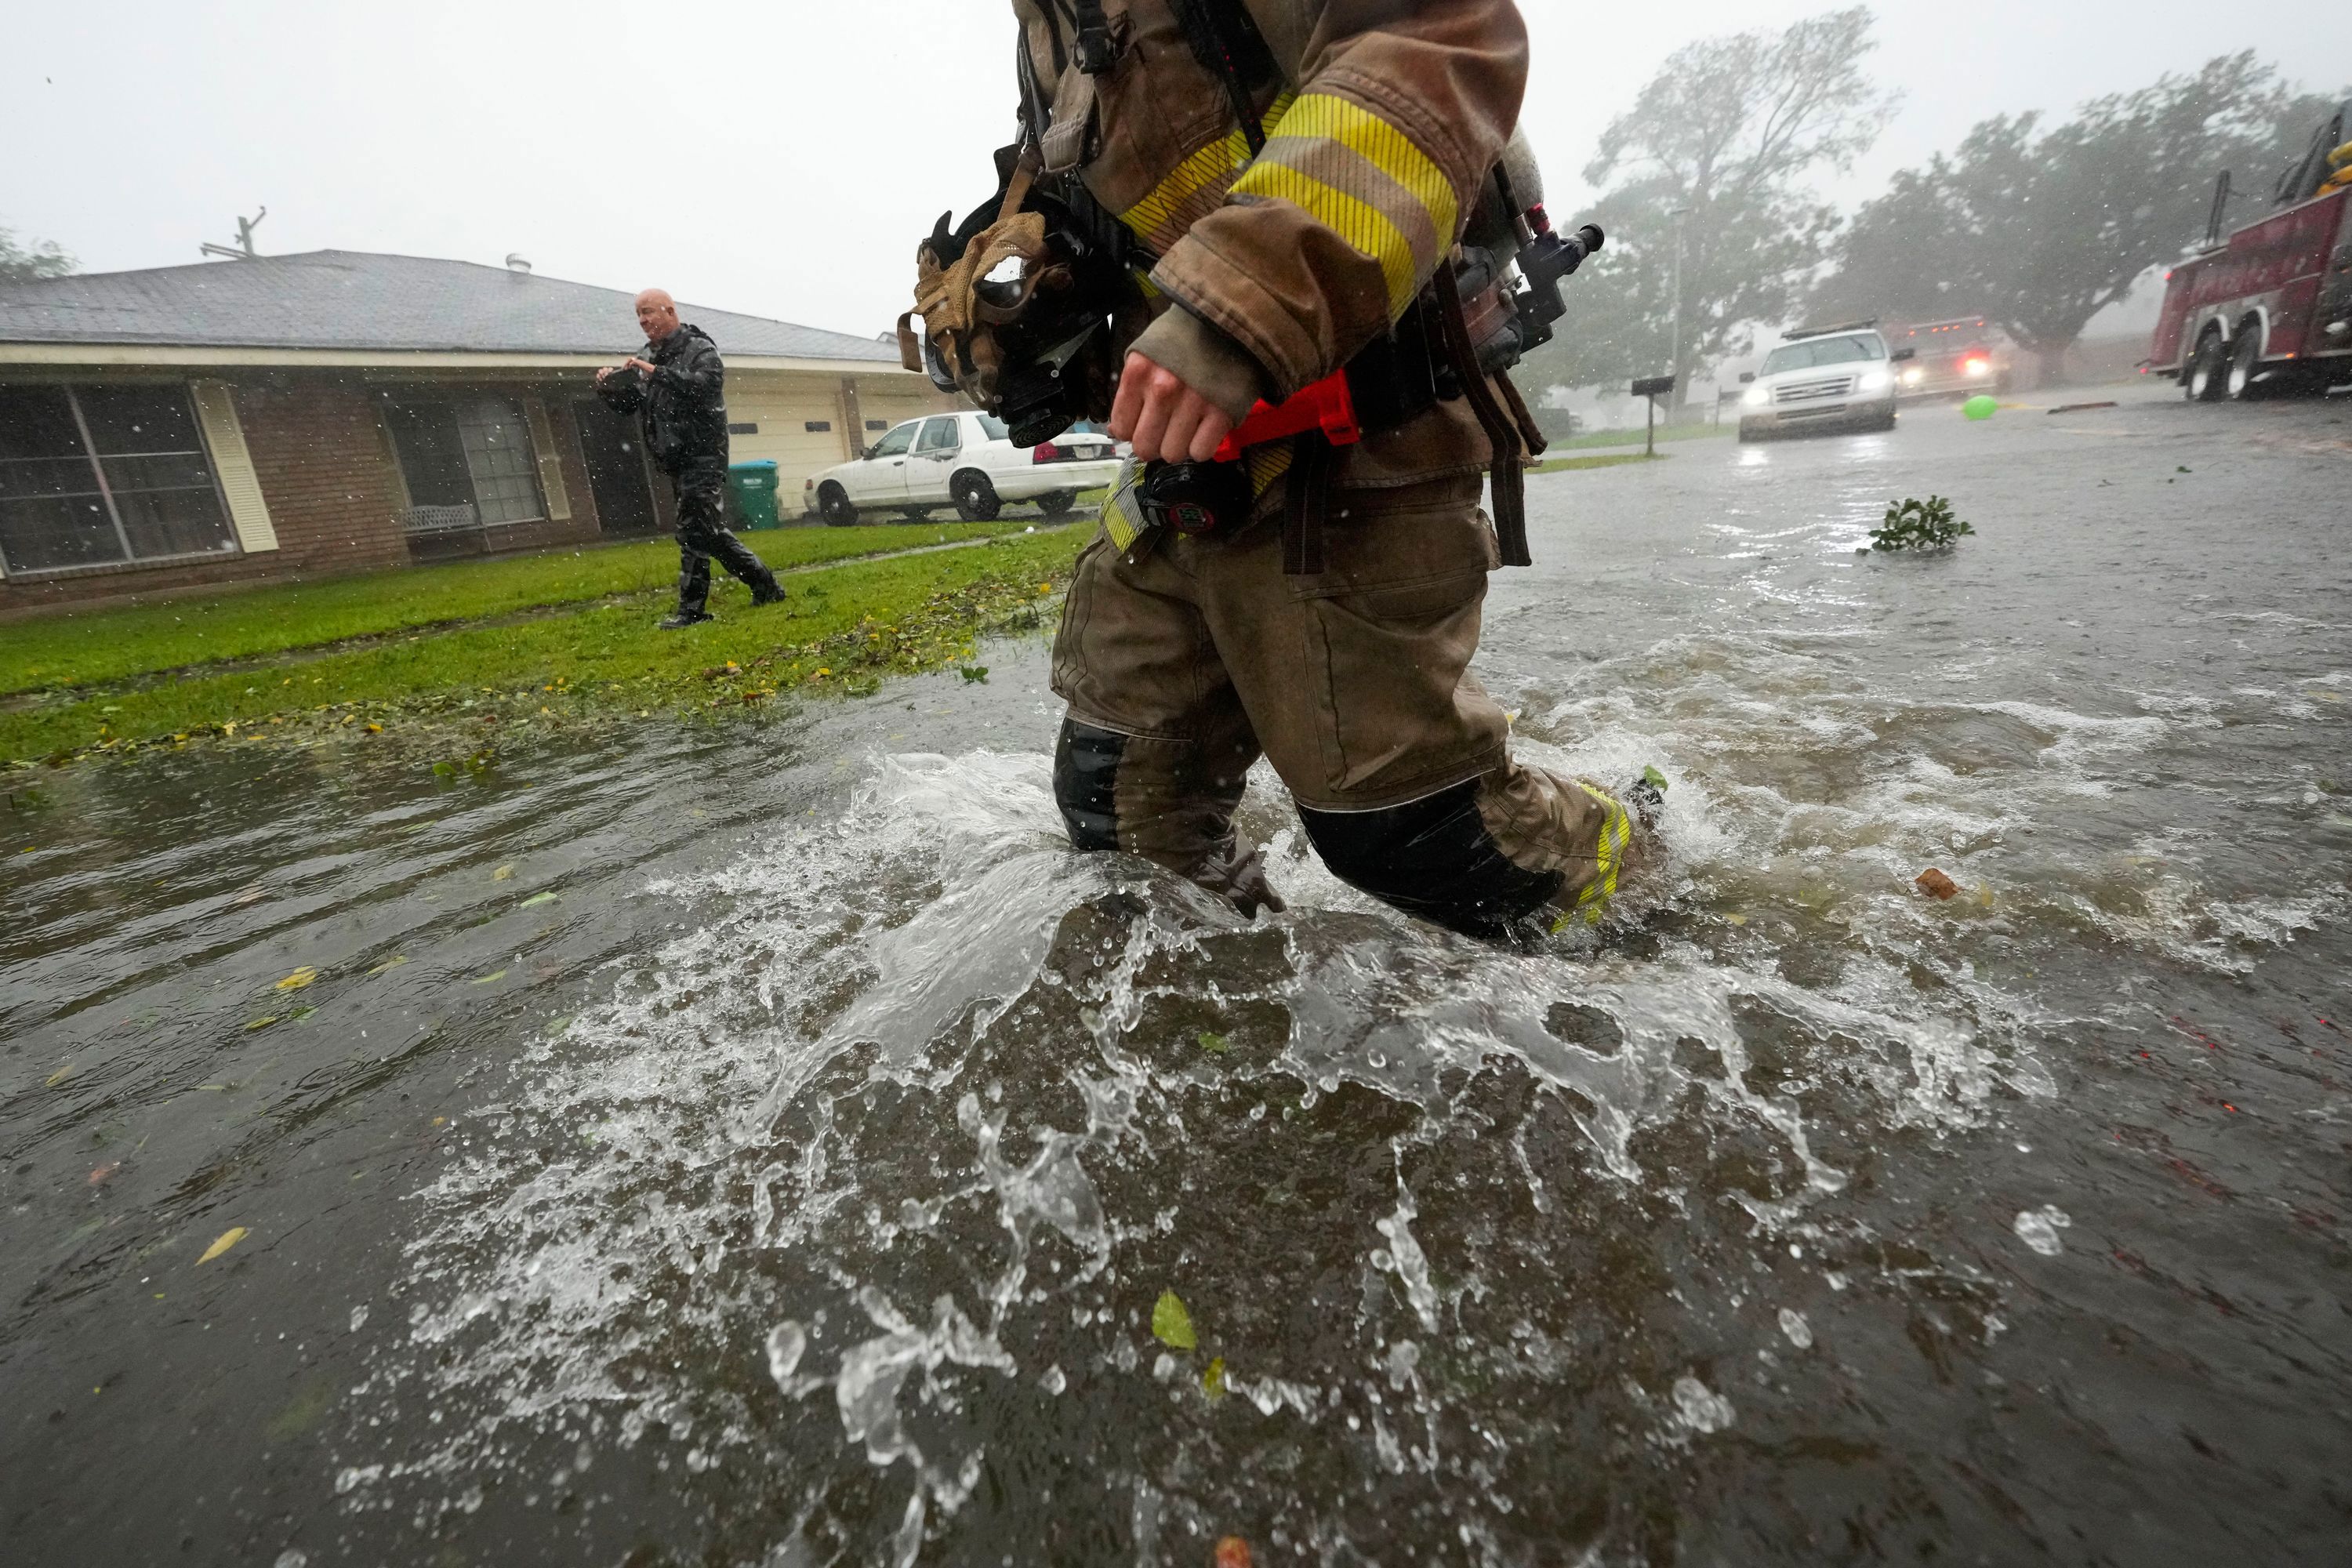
(1183, 660)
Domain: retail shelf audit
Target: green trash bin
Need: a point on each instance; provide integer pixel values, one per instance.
(752, 493)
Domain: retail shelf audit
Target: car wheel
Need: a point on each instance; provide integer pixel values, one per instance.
(975, 498)
(2245, 363)
(833, 505)
(1058, 503)
(2208, 372)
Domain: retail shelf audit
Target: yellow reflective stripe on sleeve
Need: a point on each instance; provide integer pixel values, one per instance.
(1363, 179)
(1380, 143)
(1197, 185)
(1363, 227)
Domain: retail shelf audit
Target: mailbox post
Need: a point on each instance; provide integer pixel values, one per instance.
(1653, 387)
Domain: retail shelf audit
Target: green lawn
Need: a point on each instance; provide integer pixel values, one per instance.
(844, 627)
(96, 645)
(1605, 460)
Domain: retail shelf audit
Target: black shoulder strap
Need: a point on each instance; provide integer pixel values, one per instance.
(1229, 46)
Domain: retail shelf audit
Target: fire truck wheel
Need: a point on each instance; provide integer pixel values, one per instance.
(2208, 372)
(2245, 365)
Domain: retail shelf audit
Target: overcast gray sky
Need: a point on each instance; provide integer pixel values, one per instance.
(782, 159)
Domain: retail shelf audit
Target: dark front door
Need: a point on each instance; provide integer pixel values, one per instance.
(617, 474)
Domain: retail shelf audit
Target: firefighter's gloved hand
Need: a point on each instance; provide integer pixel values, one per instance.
(1165, 418)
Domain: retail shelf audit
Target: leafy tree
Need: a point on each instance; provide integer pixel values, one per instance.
(1731, 128)
(19, 264)
(2041, 228)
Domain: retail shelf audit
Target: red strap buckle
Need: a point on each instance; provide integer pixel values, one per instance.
(1326, 406)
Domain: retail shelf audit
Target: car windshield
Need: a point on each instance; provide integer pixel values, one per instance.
(1815, 352)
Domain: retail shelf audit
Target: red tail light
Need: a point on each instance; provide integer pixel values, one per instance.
(1045, 452)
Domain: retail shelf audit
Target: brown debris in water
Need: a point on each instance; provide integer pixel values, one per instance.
(1233, 1552)
(1935, 885)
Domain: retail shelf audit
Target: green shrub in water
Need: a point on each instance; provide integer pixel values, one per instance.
(1914, 525)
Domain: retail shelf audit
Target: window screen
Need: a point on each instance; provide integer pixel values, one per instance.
(90, 475)
(939, 436)
(894, 443)
(467, 452)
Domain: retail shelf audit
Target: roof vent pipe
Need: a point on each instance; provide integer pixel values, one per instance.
(517, 265)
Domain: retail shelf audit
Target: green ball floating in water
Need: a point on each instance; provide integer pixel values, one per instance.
(1980, 406)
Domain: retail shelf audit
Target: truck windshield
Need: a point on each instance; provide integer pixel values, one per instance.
(1815, 352)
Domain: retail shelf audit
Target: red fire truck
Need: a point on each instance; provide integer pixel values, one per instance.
(2270, 306)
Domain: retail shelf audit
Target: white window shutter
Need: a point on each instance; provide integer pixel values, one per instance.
(551, 464)
(248, 513)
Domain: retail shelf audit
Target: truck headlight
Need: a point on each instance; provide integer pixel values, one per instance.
(1756, 397)
(1875, 381)
(1914, 376)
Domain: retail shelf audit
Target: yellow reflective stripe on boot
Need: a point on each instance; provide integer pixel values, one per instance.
(1363, 179)
(1609, 854)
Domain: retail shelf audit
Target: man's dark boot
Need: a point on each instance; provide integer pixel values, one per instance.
(683, 619)
(770, 592)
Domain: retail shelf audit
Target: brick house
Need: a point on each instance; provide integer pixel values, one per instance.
(297, 416)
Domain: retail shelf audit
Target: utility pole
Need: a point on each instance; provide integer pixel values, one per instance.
(243, 249)
(1675, 365)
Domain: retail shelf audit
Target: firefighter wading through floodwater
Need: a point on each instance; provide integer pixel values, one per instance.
(1293, 179)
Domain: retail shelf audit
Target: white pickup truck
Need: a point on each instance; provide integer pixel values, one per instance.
(963, 460)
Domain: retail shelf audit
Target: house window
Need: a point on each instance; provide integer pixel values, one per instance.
(467, 461)
(90, 475)
(812, 425)
(747, 430)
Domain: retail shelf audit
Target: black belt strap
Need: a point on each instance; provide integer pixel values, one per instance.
(1308, 495)
(1510, 486)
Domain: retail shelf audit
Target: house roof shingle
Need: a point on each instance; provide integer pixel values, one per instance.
(362, 302)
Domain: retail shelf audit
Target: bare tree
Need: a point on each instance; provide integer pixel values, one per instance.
(23, 264)
(1730, 133)
(2041, 229)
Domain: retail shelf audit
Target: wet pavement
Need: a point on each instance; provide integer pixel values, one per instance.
(767, 1144)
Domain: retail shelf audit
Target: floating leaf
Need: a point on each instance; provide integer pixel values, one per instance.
(59, 1077)
(261, 1022)
(394, 962)
(222, 1242)
(1212, 1382)
(486, 979)
(1172, 1325)
(1654, 778)
(1215, 1045)
(503, 874)
(1233, 1552)
(537, 899)
(300, 978)
(974, 672)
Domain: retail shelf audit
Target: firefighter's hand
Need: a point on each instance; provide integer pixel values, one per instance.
(1165, 418)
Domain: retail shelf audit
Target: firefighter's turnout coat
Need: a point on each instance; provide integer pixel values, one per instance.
(1182, 659)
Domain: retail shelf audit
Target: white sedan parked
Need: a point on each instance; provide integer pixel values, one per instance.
(963, 460)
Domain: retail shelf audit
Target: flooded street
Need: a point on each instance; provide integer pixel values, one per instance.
(767, 1144)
